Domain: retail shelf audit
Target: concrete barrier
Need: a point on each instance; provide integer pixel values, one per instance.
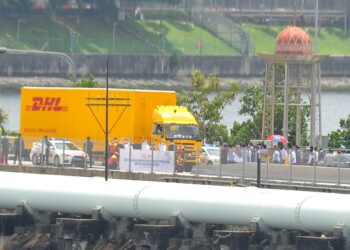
(144, 66)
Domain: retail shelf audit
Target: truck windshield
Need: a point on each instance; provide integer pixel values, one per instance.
(181, 131)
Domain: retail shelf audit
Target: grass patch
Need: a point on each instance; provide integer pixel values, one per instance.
(135, 36)
(182, 37)
(331, 41)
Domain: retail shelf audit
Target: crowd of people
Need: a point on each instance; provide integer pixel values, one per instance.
(278, 154)
(240, 153)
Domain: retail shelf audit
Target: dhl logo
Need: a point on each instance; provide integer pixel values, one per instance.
(47, 104)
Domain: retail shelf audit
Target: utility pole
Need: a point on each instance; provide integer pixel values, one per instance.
(106, 126)
(72, 38)
(114, 26)
(316, 30)
(125, 102)
(19, 21)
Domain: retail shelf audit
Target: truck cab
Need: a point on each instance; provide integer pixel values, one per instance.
(178, 128)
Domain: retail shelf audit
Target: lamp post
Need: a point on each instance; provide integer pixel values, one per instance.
(114, 26)
(316, 29)
(72, 38)
(64, 57)
(19, 21)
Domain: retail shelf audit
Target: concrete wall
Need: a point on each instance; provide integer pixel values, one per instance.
(149, 66)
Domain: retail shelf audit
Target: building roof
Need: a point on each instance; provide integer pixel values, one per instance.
(293, 40)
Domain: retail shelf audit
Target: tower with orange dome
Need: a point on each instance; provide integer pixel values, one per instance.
(292, 79)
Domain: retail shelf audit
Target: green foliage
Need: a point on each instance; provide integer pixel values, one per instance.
(341, 137)
(174, 62)
(336, 138)
(3, 119)
(206, 101)
(181, 37)
(252, 106)
(245, 131)
(88, 82)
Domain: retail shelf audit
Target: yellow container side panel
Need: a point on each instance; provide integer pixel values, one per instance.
(64, 113)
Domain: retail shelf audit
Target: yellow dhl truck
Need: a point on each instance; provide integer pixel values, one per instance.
(76, 113)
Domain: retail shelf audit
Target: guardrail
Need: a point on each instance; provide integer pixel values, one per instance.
(153, 161)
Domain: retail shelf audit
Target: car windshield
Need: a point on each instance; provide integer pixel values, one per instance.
(181, 131)
(213, 151)
(68, 146)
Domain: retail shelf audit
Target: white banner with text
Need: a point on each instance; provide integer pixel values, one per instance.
(141, 161)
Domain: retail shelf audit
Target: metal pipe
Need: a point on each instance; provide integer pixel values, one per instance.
(279, 209)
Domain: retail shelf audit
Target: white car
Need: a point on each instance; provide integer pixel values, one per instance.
(210, 156)
(73, 156)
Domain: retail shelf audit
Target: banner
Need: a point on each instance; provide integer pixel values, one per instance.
(141, 161)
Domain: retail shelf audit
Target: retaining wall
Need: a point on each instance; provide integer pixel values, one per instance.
(150, 65)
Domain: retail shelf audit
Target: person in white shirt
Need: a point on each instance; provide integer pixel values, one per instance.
(127, 144)
(293, 158)
(145, 145)
(311, 160)
(276, 156)
(284, 154)
(162, 146)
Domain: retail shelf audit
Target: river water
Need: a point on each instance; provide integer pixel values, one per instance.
(334, 107)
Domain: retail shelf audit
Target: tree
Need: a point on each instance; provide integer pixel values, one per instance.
(252, 106)
(3, 119)
(174, 63)
(88, 82)
(340, 137)
(206, 101)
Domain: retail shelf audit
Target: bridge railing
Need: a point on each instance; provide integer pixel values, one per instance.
(239, 162)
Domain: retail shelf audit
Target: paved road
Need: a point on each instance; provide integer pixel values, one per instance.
(280, 172)
(268, 172)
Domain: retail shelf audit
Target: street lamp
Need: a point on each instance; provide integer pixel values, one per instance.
(64, 57)
(114, 26)
(316, 29)
(19, 21)
(72, 38)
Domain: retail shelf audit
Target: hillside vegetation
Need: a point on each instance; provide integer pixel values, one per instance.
(95, 36)
(331, 41)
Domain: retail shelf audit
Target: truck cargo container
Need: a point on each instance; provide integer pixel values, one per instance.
(76, 113)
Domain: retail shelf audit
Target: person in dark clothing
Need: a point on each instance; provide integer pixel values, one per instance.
(5, 146)
(47, 149)
(18, 147)
(297, 155)
(223, 153)
(88, 146)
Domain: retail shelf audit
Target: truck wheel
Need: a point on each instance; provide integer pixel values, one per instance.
(209, 163)
(35, 160)
(56, 161)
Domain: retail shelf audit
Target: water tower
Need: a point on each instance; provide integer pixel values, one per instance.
(292, 78)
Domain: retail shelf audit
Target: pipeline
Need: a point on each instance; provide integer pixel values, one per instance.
(278, 209)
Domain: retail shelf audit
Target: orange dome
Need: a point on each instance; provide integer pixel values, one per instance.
(293, 40)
